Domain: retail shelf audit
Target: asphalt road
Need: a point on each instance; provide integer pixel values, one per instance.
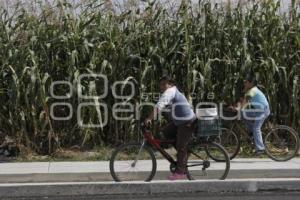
(201, 196)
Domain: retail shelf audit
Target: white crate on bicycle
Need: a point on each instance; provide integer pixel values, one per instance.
(207, 113)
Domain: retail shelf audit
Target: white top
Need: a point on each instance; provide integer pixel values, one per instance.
(166, 98)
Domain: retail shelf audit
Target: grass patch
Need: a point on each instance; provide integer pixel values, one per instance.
(96, 154)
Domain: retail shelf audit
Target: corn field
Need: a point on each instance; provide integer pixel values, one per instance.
(205, 47)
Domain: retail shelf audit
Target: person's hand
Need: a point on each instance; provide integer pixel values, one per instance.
(148, 122)
(232, 108)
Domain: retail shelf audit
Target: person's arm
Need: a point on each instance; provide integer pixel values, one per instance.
(237, 105)
(152, 115)
(164, 100)
(248, 96)
(245, 101)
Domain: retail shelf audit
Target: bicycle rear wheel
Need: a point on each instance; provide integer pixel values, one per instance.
(201, 166)
(282, 143)
(230, 141)
(133, 162)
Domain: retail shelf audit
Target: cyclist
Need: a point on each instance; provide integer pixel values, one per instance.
(182, 126)
(255, 109)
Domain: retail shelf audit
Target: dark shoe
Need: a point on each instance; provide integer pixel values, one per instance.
(260, 152)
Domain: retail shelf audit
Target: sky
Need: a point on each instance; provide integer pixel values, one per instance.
(119, 4)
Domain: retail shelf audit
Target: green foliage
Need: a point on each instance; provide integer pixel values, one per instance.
(206, 48)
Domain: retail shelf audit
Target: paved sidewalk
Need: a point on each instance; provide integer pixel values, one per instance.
(99, 171)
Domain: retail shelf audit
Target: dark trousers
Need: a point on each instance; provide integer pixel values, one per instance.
(182, 135)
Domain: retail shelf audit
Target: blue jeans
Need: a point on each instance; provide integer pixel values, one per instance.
(254, 122)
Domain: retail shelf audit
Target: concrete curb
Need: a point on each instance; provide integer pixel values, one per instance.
(160, 175)
(142, 188)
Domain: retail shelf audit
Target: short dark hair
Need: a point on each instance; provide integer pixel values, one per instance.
(168, 79)
(251, 77)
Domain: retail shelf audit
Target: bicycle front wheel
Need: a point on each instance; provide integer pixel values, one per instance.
(201, 166)
(282, 143)
(133, 162)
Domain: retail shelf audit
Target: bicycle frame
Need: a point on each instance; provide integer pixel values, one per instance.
(156, 143)
(243, 132)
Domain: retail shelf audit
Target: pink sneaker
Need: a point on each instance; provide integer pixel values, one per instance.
(177, 176)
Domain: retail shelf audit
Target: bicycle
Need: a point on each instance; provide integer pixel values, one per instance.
(137, 162)
(281, 142)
